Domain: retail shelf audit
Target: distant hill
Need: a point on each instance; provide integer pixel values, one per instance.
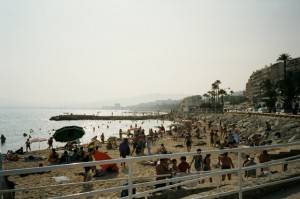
(124, 102)
(129, 101)
(158, 105)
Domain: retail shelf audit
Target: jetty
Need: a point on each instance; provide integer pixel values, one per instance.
(96, 117)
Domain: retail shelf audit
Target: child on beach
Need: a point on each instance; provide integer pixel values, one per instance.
(174, 167)
(206, 166)
(184, 166)
(198, 161)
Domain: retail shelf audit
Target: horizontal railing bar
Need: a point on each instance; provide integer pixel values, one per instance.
(186, 179)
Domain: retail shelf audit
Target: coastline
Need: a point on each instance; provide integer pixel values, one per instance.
(74, 175)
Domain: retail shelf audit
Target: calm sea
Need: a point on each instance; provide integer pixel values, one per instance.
(15, 122)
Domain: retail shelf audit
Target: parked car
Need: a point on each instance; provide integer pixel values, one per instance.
(263, 110)
(279, 111)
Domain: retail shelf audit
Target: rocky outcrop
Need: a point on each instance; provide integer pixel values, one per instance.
(283, 129)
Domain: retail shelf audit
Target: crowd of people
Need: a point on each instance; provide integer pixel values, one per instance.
(136, 143)
(167, 168)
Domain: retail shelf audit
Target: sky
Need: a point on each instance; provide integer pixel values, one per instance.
(70, 51)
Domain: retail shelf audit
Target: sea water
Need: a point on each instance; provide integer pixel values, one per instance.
(35, 122)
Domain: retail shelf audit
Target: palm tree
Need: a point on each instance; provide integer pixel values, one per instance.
(217, 87)
(212, 95)
(231, 92)
(222, 92)
(284, 57)
(205, 96)
(214, 88)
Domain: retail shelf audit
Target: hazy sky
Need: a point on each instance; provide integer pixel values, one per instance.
(80, 51)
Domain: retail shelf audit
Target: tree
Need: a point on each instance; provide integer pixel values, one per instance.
(270, 93)
(290, 88)
(284, 57)
(205, 96)
(216, 86)
(222, 92)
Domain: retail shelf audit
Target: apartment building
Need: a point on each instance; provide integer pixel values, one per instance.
(254, 86)
(274, 72)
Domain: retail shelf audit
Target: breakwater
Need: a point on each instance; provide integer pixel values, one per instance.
(96, 117)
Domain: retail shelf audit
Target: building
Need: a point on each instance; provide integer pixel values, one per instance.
(255, 86)
(293, 65)
(190, 103)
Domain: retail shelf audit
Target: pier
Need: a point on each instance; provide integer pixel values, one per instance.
(96, 117)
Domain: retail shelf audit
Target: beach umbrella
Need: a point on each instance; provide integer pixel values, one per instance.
(31, 140)
(112, 138)
(94, 143)
(68, 133)
(37, 140)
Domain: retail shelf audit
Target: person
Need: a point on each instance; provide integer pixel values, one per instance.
(162, 149)
(10, 155)
(28, 145)
(230, 140)
(102, 138)
(74, 156)
(162, 129)
(88, 158)
(65, 157)
(206, 166)
(183, 166)
(211, 136)
(8, 184)
(247, 159)
(161, 169)
(216, 139)
(124, 150)
(264, 157)
(135, 143)
(53, 157)
(174, 167)
(109, 145)
(251, 172)
(149, 144)
(188, 142)
(236, 136)
(20, 151)
(198, 161)
(50, 142)
(81, 154)
(226, 163)
(3, 138)
(120, 133)
(141, 146)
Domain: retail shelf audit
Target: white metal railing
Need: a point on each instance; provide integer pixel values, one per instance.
(177, 180)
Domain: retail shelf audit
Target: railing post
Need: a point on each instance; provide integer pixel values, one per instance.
(1, 177)
(240, 175)
(130, 175)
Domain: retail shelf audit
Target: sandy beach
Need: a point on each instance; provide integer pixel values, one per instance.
(75, 175)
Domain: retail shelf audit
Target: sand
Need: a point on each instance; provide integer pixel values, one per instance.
(100, 183)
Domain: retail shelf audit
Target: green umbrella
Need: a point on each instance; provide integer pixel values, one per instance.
(68, 133)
